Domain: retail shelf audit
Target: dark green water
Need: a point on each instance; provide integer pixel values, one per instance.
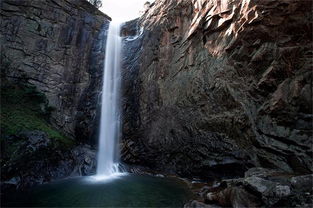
(125, 191)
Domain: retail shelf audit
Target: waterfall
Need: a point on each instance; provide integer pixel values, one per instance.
(108, 165)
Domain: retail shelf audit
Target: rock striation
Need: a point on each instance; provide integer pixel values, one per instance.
(219, 86)
(59, 47)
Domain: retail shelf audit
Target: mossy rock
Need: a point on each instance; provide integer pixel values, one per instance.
(24, 108)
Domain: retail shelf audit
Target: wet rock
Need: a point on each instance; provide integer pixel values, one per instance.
(197, 204)
(37, 160)
(259, 185)
(302, 183)
(35, 140)
(261, 188)
(282, 191)
(232, 197)
(88, 111)
(270, 191)
(260, 172)
(85, 160)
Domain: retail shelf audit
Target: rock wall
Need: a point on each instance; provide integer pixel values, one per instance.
(35, 159)
(59, 47)
(220, 86)
(132, 45)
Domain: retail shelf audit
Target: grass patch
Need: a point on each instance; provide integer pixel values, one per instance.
(24, 108)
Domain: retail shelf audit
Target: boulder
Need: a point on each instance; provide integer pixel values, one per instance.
(260, 188)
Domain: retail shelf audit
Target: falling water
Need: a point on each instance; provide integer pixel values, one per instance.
(110, 110)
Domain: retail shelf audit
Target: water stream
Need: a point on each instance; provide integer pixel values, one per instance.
(108, 164)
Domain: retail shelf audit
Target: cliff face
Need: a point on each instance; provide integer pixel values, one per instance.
(50, 50)
(220, 86)
(58, 46)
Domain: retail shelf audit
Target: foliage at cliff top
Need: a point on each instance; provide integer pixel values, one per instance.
(96, 3)
(24, 108)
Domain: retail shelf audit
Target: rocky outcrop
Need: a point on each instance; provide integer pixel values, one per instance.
(220, 86)
(259, 188)
(57, 46)
(36, 159)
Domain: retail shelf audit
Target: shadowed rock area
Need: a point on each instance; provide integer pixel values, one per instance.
(220, 86)
(36, 159)
(260, 187)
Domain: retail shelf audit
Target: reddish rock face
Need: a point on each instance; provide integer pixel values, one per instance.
(219, 86)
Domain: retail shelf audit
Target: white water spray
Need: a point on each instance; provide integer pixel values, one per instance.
(108, 165)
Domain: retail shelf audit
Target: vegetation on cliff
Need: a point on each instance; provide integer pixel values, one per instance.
(96, 3)
(32, 150)
(24, 108)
